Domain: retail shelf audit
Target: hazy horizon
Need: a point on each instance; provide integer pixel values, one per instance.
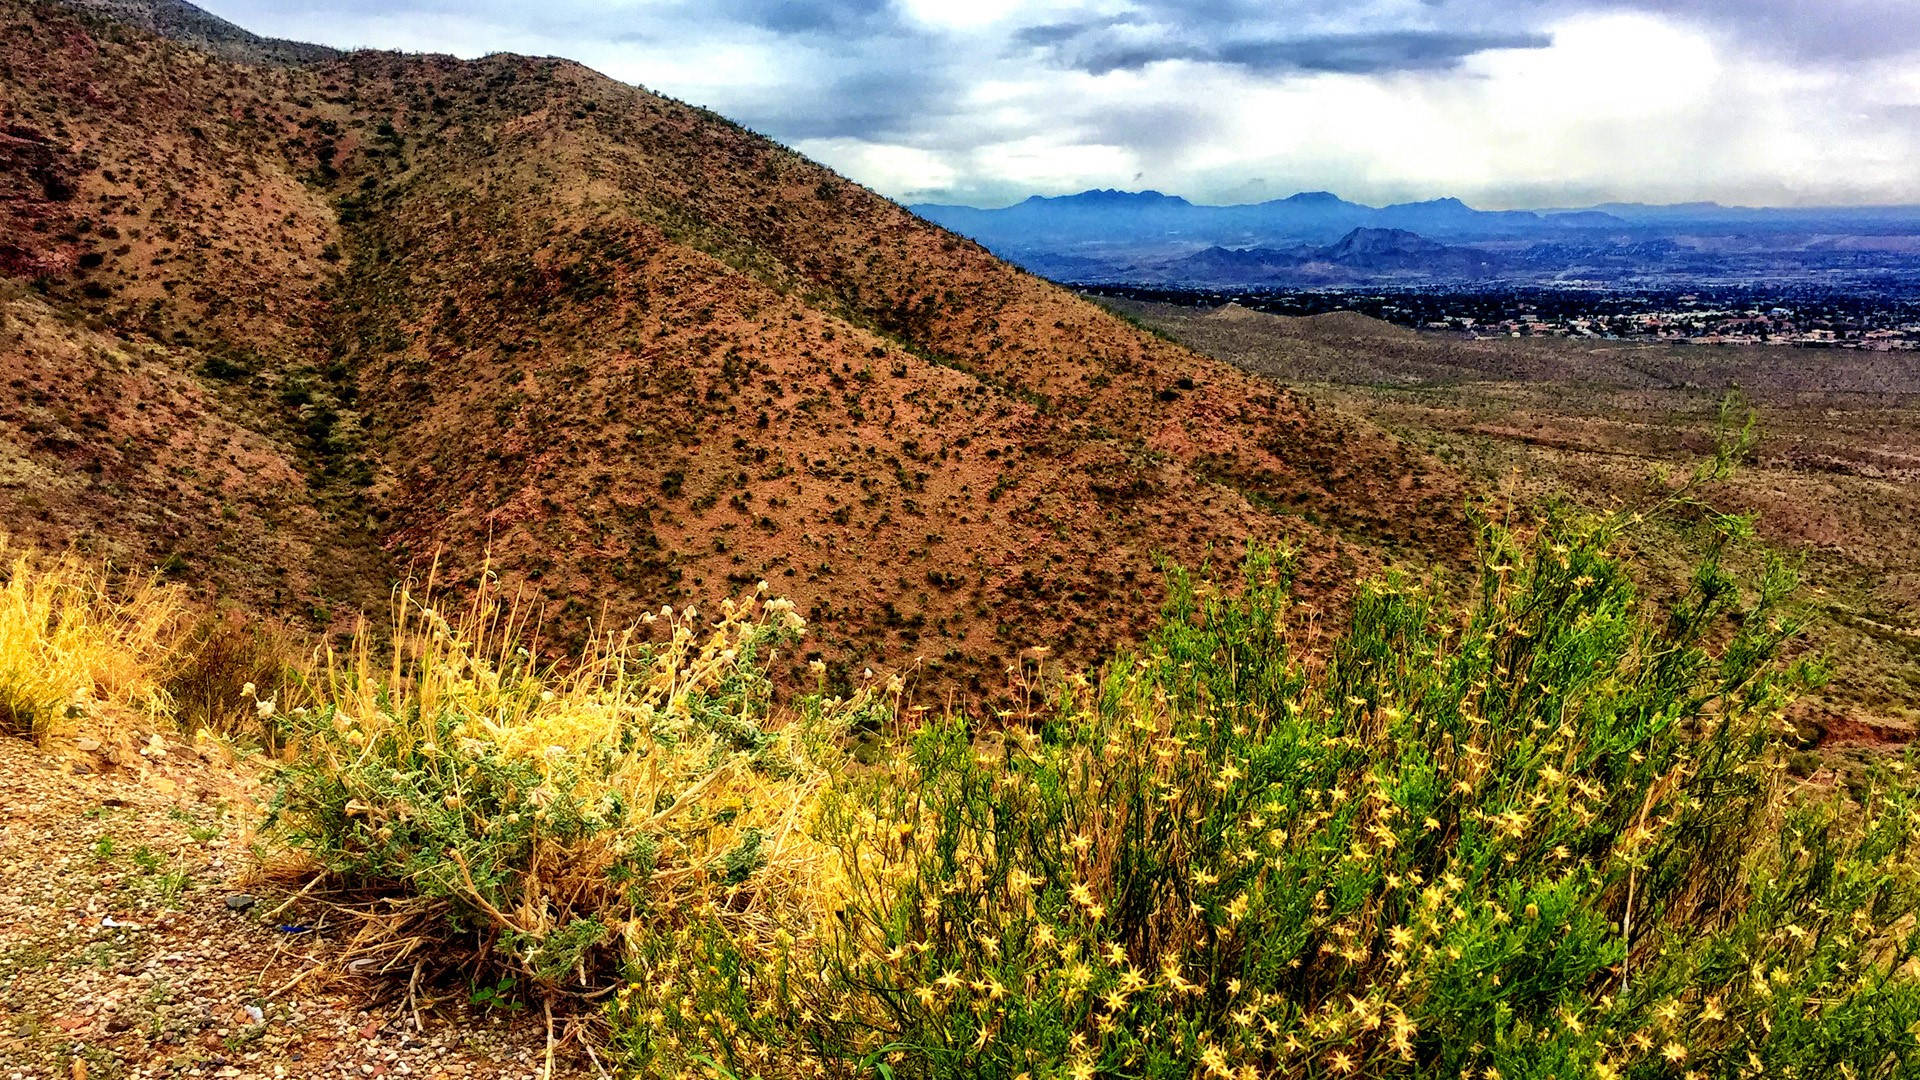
(1438, 197)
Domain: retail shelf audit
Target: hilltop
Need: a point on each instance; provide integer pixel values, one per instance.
(181, 21)
(289, 331)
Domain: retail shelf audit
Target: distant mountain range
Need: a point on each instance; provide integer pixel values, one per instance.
(1316, 237)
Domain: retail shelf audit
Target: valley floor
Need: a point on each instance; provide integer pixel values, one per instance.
(121, 955)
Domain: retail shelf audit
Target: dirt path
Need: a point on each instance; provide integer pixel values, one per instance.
(128, 947)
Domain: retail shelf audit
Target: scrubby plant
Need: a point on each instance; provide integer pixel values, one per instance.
(75, 638)
(1543, 834)
(488, 811)
(224, 668)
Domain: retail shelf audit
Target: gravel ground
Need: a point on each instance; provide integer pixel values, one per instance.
(129, 948)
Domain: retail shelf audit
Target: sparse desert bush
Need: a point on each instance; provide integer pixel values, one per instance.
(1545, 834)
(227, 664)
(488, 812)
(75, 637)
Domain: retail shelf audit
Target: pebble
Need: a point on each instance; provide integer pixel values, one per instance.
(155, 1003)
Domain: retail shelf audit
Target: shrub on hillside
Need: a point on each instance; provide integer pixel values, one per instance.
(1546, 835)
(1535, 826)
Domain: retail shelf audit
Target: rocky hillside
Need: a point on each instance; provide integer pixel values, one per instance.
(289, 330)
(181, 21)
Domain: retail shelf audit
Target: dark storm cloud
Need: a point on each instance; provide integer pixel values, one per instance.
(832, 17)
(881, 100)
(1813, 30)
(848, 67)
(1438, 34)
(661, 21)
(1096, 51)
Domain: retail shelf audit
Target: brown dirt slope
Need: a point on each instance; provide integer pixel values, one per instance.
(639, 355)
(166, 268)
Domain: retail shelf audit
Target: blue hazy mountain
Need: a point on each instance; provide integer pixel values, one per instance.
(1123, 217)
(1110, 236)
(1362, 255)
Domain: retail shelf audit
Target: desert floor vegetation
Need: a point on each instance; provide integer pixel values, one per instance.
(1532, 823)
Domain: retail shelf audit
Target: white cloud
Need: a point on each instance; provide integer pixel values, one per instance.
(880, 166)
(961, 14)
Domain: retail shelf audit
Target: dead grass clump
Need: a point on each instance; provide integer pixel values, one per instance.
(74, 642)
(231, 676)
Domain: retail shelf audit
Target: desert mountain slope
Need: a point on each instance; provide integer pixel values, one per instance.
(636, 353)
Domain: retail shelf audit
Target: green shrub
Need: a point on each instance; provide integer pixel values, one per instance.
(1546, 834)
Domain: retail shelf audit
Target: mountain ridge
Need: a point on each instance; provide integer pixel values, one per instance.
(1321, 196)
(179, 21)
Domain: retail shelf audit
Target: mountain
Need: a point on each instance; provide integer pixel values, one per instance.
(1361, 255)
(1110, 198)
(1106, 238)
(1450, 216)
(1119, 217)
(1315, 199)
(1307, 215)
(1066, 220)
(289, 330)
(1377, 247)
(1216, 264)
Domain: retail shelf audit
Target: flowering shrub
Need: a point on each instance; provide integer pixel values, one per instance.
(1543, 836)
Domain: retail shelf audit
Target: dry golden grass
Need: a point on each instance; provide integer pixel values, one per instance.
(78, 644)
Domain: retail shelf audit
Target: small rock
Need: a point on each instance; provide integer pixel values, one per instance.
(86, 746)
(240, 901)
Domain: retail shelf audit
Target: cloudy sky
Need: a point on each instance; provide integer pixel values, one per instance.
(1505, 103)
